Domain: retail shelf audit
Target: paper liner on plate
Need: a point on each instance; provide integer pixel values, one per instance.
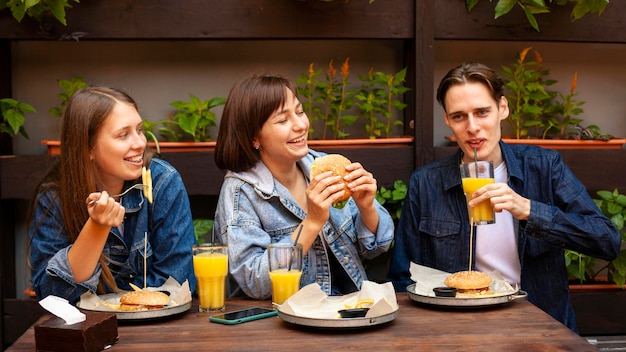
(427, 278)
(311, 302)
(179, 295)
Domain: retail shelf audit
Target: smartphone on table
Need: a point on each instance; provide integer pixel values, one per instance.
(243, 315)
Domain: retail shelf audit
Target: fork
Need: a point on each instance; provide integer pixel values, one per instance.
(135, 186)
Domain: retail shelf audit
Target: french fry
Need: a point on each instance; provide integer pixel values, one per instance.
(361, 303)
(146, 179)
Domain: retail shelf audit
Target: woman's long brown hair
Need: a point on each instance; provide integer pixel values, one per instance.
(75, 176)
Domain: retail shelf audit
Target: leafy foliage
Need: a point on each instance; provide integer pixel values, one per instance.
(393, 199)
(535, 111)
(13, 116)
(330, 100)
(37, 8)
(534, 7)
(68, 87)
(192, 119)
(201, 227)
(585, 268)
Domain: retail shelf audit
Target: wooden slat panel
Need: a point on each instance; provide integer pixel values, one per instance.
(276, 19)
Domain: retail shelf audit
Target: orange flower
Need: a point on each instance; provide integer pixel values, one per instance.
(538, 58)
(522, 54)
(311, 72)
(331, 69)
(345, 69)
(574, 82)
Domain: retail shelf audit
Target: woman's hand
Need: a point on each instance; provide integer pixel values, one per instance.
(362, 184)
(324, 190)
(105, 211)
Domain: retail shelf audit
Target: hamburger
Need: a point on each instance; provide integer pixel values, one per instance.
(469, 283)
(337, 164)
(143, 300)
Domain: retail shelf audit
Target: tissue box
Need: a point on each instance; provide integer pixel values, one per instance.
(94, 334)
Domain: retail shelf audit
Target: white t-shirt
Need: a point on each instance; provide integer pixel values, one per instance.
(496, 244)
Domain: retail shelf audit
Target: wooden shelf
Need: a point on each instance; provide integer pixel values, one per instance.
(219, 19)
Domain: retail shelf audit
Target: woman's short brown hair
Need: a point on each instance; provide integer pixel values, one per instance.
(250, 103)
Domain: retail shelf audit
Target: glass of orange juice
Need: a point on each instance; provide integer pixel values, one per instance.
(475, 175)
(210, 264)
(285, 260)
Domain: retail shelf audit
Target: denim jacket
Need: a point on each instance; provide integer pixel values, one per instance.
(170, 237)
(434, 226)
(254, 210)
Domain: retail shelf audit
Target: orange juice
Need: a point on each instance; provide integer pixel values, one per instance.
(483, 212)
(284, 284)
(211, 269)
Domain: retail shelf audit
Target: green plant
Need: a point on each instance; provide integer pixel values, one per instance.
(68, 87)
(201, 227)
(37, 8)
(529, 99)
(534, 7)
(13, 116)
(393, 199)
(567, 109)
(585, 268)
(192, 119)
(535, 111)
(337, 105)
(376, 98)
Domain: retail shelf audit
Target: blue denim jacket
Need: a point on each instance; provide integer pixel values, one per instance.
(255, 210)
(170, 237)
(434, 226)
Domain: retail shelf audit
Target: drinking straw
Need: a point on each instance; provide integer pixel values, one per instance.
(471, 239)
(295, 244)
(476, 162)
(145, 260)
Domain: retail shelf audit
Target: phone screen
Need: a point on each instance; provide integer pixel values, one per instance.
(244, 313)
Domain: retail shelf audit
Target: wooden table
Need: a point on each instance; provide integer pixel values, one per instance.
(514, 326)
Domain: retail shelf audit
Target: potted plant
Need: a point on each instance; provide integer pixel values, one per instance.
(68, 88)
(188, 128)
(537, 112)
(597, 287)
(333, 104)
(541, 116)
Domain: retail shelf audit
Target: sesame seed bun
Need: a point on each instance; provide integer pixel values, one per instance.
(143, 300)
(337, 164)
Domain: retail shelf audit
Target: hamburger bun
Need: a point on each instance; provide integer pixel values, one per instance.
(143, 300)
(469, 283)
(337, 164)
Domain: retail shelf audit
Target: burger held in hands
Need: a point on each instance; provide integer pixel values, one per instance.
(337, 164)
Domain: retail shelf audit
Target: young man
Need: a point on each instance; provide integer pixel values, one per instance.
(541, 207)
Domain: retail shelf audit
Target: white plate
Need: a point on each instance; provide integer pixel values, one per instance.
(138, 314)
(338, 322)
(464, 302)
